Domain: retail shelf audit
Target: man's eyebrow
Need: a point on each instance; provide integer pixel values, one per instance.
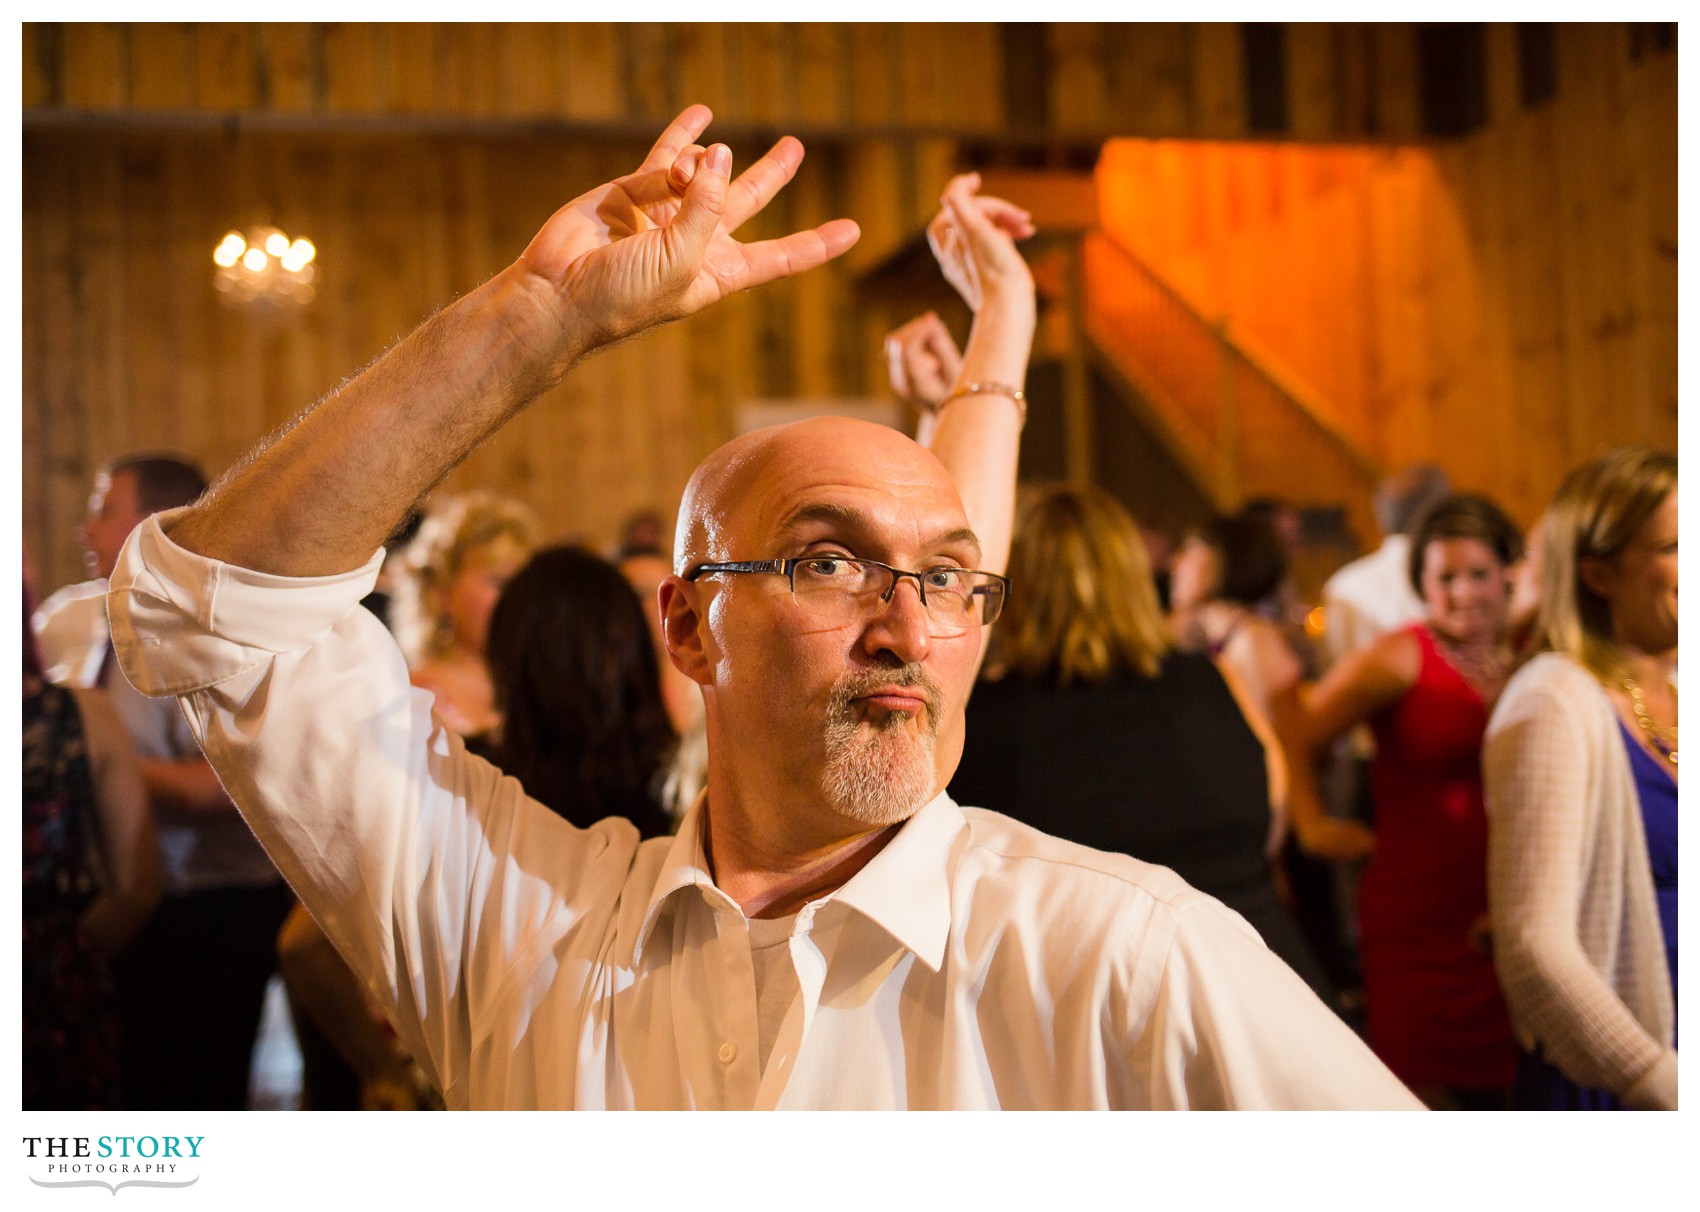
(855, 520)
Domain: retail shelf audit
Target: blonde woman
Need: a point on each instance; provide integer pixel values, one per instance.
(1580, 769)
(467, 550)
(1091, 726)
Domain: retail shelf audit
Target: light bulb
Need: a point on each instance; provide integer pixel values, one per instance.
(254, 260)
(303, 250)
(277, 244)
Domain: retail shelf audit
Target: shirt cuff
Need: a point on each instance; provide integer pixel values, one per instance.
(182, 622)
(1655, 1090)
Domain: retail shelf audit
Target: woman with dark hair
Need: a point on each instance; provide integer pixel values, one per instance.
(578, 689)
(1217, 577)
(1089, 724)
(1580, 765)
(1432, 1000)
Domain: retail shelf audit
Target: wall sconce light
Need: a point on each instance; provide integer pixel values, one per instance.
(264, 267)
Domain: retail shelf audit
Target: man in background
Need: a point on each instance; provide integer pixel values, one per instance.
(1372, 595)
(191, 986)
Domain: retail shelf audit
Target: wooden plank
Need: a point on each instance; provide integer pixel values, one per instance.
(163, 63)
(225, 68)
(1398, 105)
(876, 201)
(1355, 83)
(1160, 53)
(1218, 80)
(1503, 89)
(356, 74)
(428, 69)
(1077, 73)
(66, 466)
(114, 426)
(702, 61)
(1311, 80)
(595, 71)
(767, 62)
(920, 57)
(481, 54)
(874, 70)
(528, 63)
(43, 64)
(97, 65)
(823, 82)
(288, 51)
(649, 74)
(974, 98)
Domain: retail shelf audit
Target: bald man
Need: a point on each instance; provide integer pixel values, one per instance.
(827, 929)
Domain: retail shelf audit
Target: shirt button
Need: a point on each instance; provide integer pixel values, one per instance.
(728, 1053)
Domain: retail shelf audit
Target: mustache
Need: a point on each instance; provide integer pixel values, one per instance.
(855, 685)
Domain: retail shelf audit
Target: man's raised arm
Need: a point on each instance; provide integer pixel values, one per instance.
(322, 494)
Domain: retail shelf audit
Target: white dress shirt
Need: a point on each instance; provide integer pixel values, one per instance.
(198, 850)
(1368, 598)
(973, 963)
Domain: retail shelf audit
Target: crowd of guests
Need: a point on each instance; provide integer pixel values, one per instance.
(1454, 817)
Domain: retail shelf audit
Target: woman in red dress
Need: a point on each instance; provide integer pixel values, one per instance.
(1432, 999)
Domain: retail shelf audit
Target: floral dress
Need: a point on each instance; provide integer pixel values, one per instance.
(70, 1044)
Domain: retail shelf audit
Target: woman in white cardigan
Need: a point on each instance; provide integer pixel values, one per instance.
(1580, 773)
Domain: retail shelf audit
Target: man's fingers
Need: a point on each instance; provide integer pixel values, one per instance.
(700, 211)
(680, 134)
(767, 260)
(757, 184)
(685, 167)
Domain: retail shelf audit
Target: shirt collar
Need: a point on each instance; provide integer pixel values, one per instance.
(904, 889)
(686, 866)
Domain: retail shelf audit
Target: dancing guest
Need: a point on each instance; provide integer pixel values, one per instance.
(1091, 726)
(1582, 803)
(1217, 578)
(1432, 999)
(584, 727)
(90, 879)
(466, 550)
(831, 597)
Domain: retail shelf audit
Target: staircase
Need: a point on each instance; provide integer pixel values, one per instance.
(1239, 426)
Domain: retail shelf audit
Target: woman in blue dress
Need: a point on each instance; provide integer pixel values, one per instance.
(1580, 773)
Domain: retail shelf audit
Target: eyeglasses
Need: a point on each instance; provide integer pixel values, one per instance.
(844, 590)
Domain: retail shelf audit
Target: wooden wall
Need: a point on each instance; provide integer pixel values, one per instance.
(420, 158)
(127, 344)
(1503, 303)
(1087, 80)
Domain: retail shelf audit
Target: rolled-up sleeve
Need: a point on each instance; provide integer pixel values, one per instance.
(434, 875)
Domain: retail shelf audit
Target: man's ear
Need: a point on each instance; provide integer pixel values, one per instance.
(683, 626)
(1595, 575)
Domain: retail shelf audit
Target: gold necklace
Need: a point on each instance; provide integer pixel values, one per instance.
(1663, 740)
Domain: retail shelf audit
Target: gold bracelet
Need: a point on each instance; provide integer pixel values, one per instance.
(990, 389)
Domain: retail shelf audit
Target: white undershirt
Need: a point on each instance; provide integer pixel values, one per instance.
(776, 977)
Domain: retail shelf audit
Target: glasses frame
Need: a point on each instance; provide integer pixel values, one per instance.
(787, 568)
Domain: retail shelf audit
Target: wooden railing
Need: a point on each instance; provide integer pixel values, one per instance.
(1241, 425)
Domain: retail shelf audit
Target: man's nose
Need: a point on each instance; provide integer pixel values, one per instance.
(900, 624)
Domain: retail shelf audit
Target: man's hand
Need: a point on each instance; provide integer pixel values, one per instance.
(922, 361)
(657, 245)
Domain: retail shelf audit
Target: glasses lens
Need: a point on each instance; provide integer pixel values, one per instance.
(837, 588)
(844, 589)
